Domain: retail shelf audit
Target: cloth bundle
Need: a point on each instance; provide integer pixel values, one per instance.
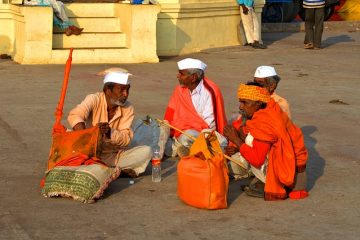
(203, 175)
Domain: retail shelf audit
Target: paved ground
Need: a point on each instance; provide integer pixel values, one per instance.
(145, 210)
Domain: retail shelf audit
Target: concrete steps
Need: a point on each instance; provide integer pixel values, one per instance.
(95, 25)
(94, 10)
(113, 33)
(89, 40)
(93, 56)
(102, 40)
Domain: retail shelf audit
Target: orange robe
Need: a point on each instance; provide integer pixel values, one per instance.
(181, 112)
(287, 154)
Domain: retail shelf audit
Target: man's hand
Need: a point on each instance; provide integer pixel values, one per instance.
(231, 150)
(245, 9)
(79, 126)
(104, 129)
(232, 135)
(241, 134)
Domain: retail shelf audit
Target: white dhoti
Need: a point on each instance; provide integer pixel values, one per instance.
(240, 172)
(136, 158)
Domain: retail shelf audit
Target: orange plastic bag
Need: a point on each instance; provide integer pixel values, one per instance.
(203, 180)
(68, 144)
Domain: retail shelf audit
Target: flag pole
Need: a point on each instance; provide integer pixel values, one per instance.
(58, 127)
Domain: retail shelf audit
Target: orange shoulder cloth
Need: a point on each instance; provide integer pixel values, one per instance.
(181, 112)
(287, 154)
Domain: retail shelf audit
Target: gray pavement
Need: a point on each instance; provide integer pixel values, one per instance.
(146, 210)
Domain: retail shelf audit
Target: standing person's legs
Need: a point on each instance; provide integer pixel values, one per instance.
(319, 26)
(136, 158)
(247, 23)
(255, 30)
(309, 27)
(255, 23)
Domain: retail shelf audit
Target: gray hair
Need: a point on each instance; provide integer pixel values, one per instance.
(108, 85)
(273, 79)
(199, 73)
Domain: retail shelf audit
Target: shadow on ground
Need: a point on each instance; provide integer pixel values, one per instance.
(316, 164)
(270, 38)
(337, 39)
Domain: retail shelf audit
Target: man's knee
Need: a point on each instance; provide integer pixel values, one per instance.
(186, 140)
(146, 151)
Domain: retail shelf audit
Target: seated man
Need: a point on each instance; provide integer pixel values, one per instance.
(267, 77)
(61, 19)
(269, 142)
(196, 105)
(111, 111)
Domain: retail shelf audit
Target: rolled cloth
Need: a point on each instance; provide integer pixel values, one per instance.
(254, 93)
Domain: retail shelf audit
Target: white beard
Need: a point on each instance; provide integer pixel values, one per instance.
(117, 102)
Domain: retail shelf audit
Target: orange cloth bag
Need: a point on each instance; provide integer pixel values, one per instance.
(67, 145)
(70, 144)
(203, 180)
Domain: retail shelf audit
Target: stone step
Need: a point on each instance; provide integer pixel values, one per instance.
(89, 40)
(90, 10)
(118, 55)
(93, 25)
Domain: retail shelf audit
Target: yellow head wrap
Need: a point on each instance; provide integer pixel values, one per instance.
(254, 93)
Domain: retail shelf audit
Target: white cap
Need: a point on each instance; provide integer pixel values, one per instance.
(265, 71)
(188, 63)
(117, 77)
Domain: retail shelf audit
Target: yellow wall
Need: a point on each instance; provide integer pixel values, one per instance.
(186, 26)
(7, 28)
(24, 36)
(180, 27)
(26, 33)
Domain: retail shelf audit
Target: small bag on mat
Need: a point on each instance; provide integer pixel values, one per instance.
(68, 144)
(203, 175)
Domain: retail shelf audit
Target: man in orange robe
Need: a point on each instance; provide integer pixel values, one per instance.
(269, 141)
(196, 105)
(267, 77)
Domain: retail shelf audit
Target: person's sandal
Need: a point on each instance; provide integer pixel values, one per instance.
(254, 189)
(309, 46)
(253, 192)
(259, 46)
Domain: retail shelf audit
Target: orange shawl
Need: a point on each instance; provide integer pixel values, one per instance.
(287, 154)
(181, 112)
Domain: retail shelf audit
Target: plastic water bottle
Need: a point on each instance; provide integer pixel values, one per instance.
(156, 166)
